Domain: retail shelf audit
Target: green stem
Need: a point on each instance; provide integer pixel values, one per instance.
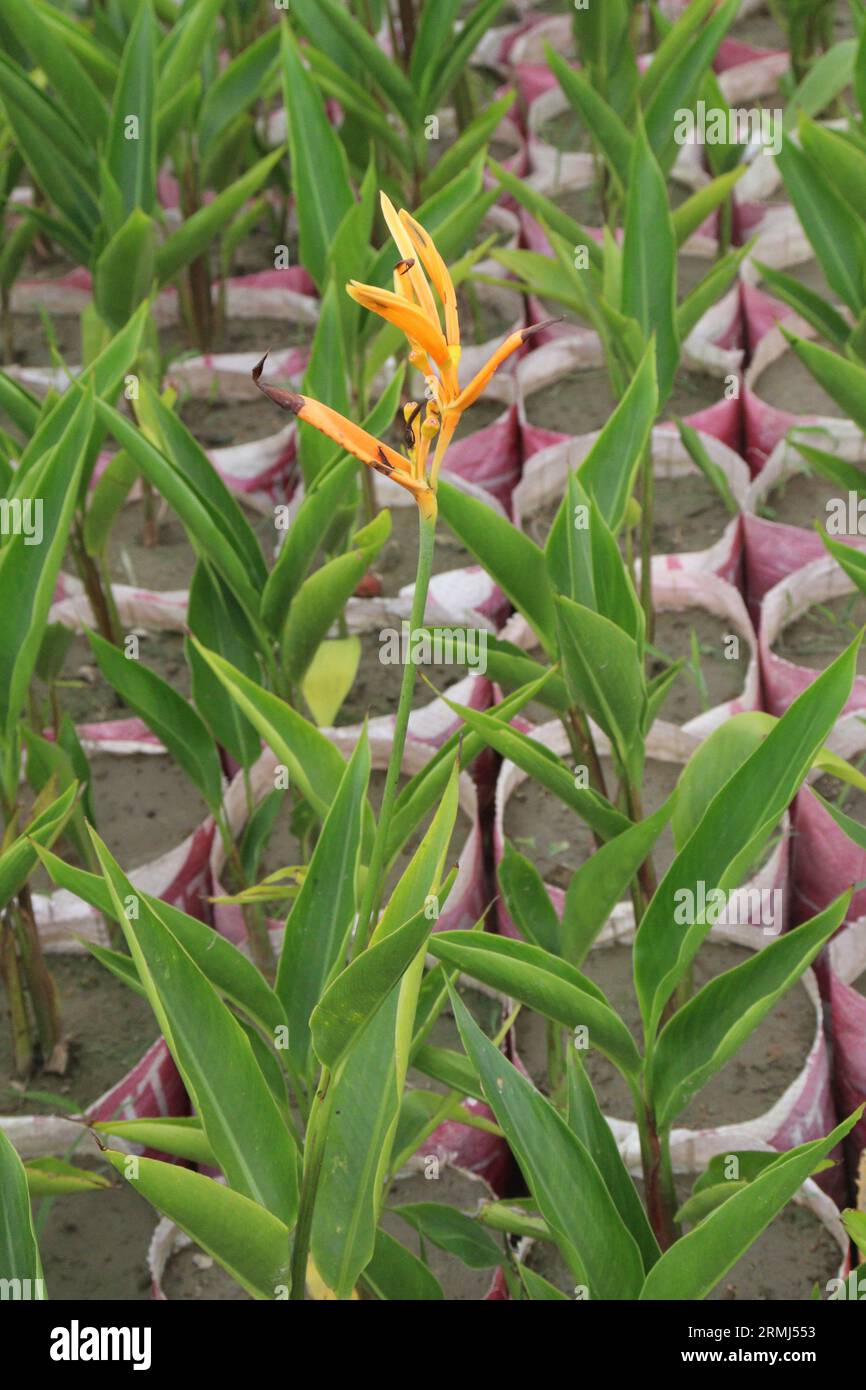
(373, 886)
(646, 540)
(314, 1153)
(320, 1113)
(10, 973)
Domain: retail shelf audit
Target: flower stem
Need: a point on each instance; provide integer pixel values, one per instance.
(373, 886)
(320, 1114)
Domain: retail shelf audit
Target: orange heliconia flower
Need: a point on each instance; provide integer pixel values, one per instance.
(433, 349)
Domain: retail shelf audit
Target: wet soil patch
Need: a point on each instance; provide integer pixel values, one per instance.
(582, 402)
(822, 632)
(558, 841)
(688, 514)
(108, 1026)
(788, 385)
(802, 499)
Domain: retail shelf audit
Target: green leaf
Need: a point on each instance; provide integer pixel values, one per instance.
(842, 380)
(29, 564)
(712, 471)
(451, 1230)
(838, 239)
(467, 144)
(539, 1289)
(511, 559)
(394, 1273)
(197, 232)
(250, 1243)
(131, 149)
(433, 34)
(70, 81)
(366, 1103)
(527, 900)
(546, 768)
(829, 74)
(840, 159)
(600, 119)
(440, 77)
(52, 1177)
(105, 375)
(384, 71)
(738, 819)
(237, 88)
(604, 675)
(18, 859)
(183, 48)
(190, 460)
(197, 510)
(359, 991)
(609, 469)
(314, 764)
(321, 598)
(168, 714)
(588, 1124)
(58, 157)
(320, 922)
(599, 884)
(697, 208)
(230, 972)
(709, 290)
(319, 171)
(19, 1253)
(568, 1188)
(106, 501)
(181, 1137)
(302, 542)
(238, 1112)
(649, 265)
(695, 1264)
(123, 274)
(546, 983)
(218, 622)
(673, 78)
(707, 1031)
(547, 212)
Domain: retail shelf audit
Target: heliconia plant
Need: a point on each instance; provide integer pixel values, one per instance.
(393, 101)
(297, 1082)
(101, 192)
(308, 1035)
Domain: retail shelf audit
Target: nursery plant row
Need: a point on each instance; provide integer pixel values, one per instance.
(432, 706)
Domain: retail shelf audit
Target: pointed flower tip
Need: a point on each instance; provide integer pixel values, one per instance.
(286, 400)
(539, 327)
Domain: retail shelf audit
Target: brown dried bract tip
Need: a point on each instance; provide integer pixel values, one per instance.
(383, 465)
(403, 267)
(538, 327)
(409, 432)
(286, 400)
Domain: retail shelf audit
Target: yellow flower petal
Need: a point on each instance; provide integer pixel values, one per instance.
(438, 271)
(469, 395)
(348, 435)
(420, 288)
(409, 318)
